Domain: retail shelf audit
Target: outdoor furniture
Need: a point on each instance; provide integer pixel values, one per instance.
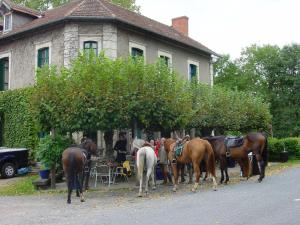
(104, 173)
(120, 172)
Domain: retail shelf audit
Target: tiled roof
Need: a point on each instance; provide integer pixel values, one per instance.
(101, 9)
(22, 9)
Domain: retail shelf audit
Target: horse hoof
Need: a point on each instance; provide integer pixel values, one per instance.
(82, 200)
(174, 189)
(154, 188)
(69, 201)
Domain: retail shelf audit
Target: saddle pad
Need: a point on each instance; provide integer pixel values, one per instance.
(233, 142)
(178, 150)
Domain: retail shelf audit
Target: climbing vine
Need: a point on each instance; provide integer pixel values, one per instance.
(20, 128)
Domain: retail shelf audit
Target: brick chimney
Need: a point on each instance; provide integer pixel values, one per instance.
(181, 24)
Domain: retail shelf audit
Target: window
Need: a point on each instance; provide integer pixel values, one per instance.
(166, 57)
(91, 46)
(43, 57)
(7, 22)
(137, 50)
(193, 70)
(4, 74)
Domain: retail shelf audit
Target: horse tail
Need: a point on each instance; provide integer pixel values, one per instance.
(211, 162)
(72, 176)
(265, 153)
(140, 160)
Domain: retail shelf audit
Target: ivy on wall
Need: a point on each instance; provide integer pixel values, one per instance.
(20, 128)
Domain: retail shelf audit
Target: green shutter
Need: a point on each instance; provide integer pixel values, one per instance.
(46, 56)
(2, 74)
(40, 58)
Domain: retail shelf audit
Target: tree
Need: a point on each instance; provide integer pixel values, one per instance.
(272, 73)
(43, 5)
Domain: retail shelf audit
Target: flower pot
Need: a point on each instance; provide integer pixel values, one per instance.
(284, 156)
(44, 174)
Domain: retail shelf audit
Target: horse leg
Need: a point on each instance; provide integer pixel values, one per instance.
(226, 174)
(80, 186)
(153, 178)
(77, 193)
(261, 167)
(197, 175)
(182, 167)
(141, 183)
(190, 169)
(147, 180)
(222, 176)
(175, 171)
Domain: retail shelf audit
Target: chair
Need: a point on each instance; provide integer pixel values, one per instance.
(104, 173)
(120, 172)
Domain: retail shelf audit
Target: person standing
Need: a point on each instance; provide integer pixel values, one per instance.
(120, 148)
(163, 162)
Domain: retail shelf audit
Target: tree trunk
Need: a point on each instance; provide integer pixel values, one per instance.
(53, 175)
(108, 138)
(53, 167)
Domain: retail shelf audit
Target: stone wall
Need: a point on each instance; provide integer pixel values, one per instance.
(110, 40)
(71, 43)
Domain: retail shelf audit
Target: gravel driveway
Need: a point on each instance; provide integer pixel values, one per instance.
(275, 201)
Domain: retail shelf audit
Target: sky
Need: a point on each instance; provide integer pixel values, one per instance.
(228, 26)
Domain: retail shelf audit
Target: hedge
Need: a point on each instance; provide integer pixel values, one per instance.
(20, 125)
(291, 145)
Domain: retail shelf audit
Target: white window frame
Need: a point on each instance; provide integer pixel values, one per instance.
(39, 46)
(166, 54)
(96, 38)
(196, 63)
(7, 55)
(133, 44)
(10, 25)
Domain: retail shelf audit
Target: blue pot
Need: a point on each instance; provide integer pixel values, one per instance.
(44, 174)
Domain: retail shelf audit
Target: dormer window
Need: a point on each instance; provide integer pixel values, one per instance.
(7, 22)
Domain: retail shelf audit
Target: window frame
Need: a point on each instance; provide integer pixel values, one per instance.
(196, 63)
(90, 38)
(166, 54)
(138, 46)
(42, 46)
(91, 43)
(4, 22)
(7, 55)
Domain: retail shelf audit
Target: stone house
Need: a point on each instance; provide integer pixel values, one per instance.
(31, 39)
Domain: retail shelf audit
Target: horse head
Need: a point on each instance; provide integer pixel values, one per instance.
(169, 145)
(89, 145)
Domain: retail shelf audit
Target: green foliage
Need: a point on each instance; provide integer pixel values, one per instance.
(272, 73)
(226, 111)
(43, 5)
(20, 125)
(291, 145)
(97, 93)
(50, 149)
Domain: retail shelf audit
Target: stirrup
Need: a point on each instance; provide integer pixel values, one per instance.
(228, 154)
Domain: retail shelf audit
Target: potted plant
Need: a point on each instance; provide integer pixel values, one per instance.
(44, 171)
(49, 152)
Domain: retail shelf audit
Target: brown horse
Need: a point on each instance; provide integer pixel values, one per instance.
(194, 152)
(75, 160)
(255, 142)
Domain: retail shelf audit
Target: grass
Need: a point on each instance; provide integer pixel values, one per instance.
(23, 186)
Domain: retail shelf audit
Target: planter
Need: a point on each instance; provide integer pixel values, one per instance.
(44, 174)
(283, 157)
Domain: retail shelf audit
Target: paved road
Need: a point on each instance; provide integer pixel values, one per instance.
(275, 201)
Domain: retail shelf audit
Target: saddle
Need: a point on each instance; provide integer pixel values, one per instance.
(178, 149)
(232, 142)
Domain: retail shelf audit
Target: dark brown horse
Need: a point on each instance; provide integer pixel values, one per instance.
(253, 142)
(75, 160)
(194, 152)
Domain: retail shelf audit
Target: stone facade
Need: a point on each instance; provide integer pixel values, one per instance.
(71, 43)
(110, 40)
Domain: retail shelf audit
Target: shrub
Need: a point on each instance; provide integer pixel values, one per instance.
(276, 146)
